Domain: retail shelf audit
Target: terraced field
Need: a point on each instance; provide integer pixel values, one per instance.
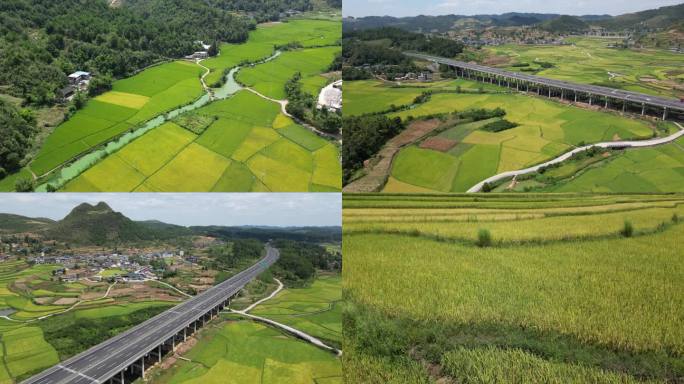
(513, 288)
(590, 61)
(131, 102)
(250, 146)
(27, 295)
(545, 130)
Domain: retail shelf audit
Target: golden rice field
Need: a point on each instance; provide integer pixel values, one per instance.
(561, 294)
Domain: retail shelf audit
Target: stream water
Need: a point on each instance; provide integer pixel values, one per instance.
(70, 171)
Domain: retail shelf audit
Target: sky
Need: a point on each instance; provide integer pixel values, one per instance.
(229, 209)
(359, 8)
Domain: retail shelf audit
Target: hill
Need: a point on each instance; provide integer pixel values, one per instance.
(14, 223)
(565, 24)
(661, 18)
(446, 23)
(98, 225)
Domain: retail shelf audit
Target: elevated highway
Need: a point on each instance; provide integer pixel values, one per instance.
(632, 102)
(126, 356)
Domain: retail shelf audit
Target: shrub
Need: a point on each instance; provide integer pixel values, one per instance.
(628, 229)
(499, 125)
(24, 185)
(484, 238)
(675, 218)
(486, 187)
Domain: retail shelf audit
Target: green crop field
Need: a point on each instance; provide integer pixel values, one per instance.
(240, 151)
(315, 310)
(269, 79)
(545, 130)
(508, 288)
(133, 101)
(590, 61)
(309, 33)
(659, 169)
(247, 352)
(249, 144)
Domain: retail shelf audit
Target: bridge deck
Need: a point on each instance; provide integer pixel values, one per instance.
(104, 360)
(635, 97)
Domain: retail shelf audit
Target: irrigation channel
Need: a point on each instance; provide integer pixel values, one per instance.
(70, 171)
(610, 144)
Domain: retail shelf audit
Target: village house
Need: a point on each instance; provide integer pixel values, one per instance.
(79, 77)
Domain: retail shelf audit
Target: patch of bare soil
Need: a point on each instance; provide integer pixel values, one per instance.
(205, 280)
(65, 301)
(496, 60)
(199, 288)
(186, 346)
(91, 295)
(43, 300)
(441, 144)
(616, 137)
(168, 362)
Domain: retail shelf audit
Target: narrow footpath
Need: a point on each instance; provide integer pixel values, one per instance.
(610, 144)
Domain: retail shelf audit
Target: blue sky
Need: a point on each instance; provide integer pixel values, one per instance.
(359, 8)
(275, 209)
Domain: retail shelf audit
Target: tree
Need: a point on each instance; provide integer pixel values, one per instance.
(79, 101)
(213, 50)
(24, 185)
(100, 84)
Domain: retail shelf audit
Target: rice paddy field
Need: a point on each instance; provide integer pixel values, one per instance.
(241, 351)
(316, 309)
(131, 102)
(162, 88)
(659, 169)
(254, 353)
(309, 33)
(250, 146)
(540, 288)
(590, 61)
(27, 293)
(546, 129)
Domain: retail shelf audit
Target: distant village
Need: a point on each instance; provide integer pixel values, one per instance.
(131, 266)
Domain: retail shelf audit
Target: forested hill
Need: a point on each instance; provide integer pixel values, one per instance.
(42, 41)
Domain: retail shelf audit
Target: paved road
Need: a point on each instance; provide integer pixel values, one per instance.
(635, 97)
(610, 144)
(104, 360)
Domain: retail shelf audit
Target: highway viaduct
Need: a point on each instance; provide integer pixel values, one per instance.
(604, 97)
(127, 356)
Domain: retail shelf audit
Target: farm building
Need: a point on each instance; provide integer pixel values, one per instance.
(198, 55)
(79, 77)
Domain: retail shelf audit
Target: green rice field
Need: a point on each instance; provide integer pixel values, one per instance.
(590, 61)
(507, 288)
(250, 146)
(545, 130)
(659, 169)
(131, 102)
(269, 78)
(309, 33)
(315, 310)
(252, 353)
